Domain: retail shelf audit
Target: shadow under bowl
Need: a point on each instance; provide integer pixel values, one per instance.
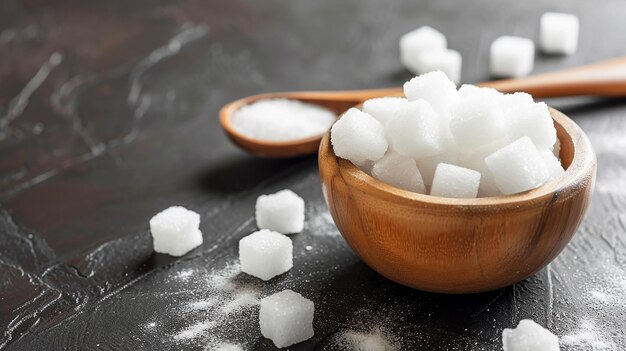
(452, 245)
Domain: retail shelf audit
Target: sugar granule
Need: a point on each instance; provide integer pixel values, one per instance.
(282, 120)
(195, 330)
(374, 340)
(587, 337)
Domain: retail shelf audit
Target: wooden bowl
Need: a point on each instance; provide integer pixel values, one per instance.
(460, 245)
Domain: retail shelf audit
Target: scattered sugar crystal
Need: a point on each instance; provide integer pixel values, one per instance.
(175, 231)
(434, 87)
(242, 299)
(195, 330)
(225, 346)
(281, 212)
(454, 181)
(511, 56)
(529, 336)
(532, 120)
(476, 122)
(286, 318)
(282, 120)
(417, 42)
(374, 341)
(385, 108)
(308, 248)
(399, 171)
(446, 60)
(265, 254)
(558, 33)
(517, 167)
(358, 137)
(553, 164)
(428, 165)
(415, 131)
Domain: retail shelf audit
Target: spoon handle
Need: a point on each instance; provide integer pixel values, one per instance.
(606, 78)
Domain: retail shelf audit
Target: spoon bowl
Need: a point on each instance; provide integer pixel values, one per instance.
(452, 245)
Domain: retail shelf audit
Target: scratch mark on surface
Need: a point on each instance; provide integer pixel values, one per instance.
(550, 297)
(172, 48)
(19, 103)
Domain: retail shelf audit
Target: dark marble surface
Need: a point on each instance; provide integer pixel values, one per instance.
(108, 114)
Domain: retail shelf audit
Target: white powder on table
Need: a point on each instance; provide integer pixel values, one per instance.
(282, 120)
(374, 340)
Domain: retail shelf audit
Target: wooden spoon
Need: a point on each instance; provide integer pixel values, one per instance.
(607, 78)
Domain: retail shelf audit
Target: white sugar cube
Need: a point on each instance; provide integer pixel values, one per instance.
(265, 254)
(175, 231)
(511, 56)
(558, 33)
(434, 87)
(358, 137)
(384, 108)
(455, 181)
(473, 91)
(518, 167)
(447, 61)
(475, 160)
(529, 336)
(415, 131)
(399, 171)
(476, 122)
(417, 42)
(532, 120)
(286, 318)
(552, 162)
(428, 165)
(281, 212)
(515, 100)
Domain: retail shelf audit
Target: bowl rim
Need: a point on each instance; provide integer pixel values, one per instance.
(580, 167)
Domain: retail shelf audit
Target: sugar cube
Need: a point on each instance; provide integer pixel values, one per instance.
(515, 100)
(358, 137)
(415, 131)
(534, 121)
(418, 41)
(475, 160)
(473, 91)
(428, 165)
(434, 87)
(476, 122)
(455, 181)
(446, 60)
(529, 336)
(265, 254)
(511, 56)
(384, 108)
(556, 148)
(282, 212)
(558, 33)
(517, 167)
(399, 171)
(175, 231)
(553, 164)
(286, 318)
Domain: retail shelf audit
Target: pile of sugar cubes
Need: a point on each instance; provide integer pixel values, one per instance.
(425, 49)
(285, 317)
(452, 143)
(529, 336)
(282, 120)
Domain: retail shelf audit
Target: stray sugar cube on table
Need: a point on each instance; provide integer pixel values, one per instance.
(384, 108)
(518, 167)
(286, 318)
(175, 231)
(558, 33)
(511, 56)
(399, 171)
(454, 181)
(265, 254)
(417, 42)
(529, 336)
(281, 212)
(358, 137)
(414, 132)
